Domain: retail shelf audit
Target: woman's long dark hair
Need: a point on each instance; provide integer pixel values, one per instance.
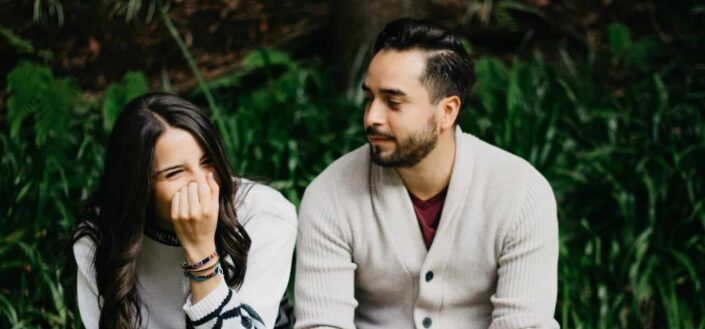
(123, 205)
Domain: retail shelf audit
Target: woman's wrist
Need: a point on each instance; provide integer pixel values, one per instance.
(194, 254)
(203, 276)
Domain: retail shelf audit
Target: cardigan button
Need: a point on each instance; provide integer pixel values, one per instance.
(427, 322)
(429, 276)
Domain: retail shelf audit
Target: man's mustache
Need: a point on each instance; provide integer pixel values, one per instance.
(376, 133)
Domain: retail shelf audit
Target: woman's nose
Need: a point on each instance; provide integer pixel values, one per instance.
(199, 175)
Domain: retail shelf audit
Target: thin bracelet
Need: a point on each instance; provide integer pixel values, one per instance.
(190, 267)
(200, 278)
(201, 270)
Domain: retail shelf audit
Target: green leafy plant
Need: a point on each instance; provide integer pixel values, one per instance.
(117, 96)
(627, 169)
(500, 12)
(617, 130)
(52, 157)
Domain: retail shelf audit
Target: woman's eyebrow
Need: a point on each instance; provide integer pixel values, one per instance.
(166, 169)
(204, 157)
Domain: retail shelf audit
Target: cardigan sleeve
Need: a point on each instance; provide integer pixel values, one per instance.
(325, 272)
(527, 267)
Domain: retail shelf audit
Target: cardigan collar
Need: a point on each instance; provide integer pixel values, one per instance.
(394, 210)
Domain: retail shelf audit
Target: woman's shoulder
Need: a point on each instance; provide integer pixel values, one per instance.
(84, 246)
(257, 200)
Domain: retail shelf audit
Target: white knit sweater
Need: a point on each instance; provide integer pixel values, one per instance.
(270, 221)
(362, 262)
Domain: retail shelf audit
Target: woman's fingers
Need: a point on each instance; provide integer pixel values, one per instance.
(175, 206)
(204, 195)
(183, 203)
(196, 200)
(215, 192)
(193, 203)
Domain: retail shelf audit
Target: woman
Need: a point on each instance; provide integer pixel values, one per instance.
(172, 239)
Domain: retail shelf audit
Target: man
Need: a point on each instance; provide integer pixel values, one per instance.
(426, 226)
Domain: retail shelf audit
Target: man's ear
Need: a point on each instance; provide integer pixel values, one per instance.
(450, 108)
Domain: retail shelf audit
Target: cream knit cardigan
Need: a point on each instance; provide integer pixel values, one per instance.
(362, 262)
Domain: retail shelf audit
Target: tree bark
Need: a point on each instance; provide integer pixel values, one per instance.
(354, 27)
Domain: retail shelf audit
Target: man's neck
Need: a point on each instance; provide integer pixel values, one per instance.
(430, 176)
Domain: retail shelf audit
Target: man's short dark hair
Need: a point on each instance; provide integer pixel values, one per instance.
(449, 69)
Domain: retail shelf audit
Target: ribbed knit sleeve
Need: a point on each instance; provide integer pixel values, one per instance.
(222, 308)
(527, 271)
(325, 273)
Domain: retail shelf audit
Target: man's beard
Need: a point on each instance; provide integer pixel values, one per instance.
(408, 152)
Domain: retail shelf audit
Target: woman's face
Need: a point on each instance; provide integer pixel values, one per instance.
(178, 161)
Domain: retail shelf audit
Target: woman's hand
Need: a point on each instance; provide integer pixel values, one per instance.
(194, 214)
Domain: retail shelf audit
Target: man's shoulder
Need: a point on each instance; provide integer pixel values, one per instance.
(350, 169)
(494, 160)
(502, 172)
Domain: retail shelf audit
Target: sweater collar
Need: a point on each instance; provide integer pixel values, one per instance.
(162, 236)
(394, 210)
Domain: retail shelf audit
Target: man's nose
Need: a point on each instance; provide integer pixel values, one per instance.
(375, 114)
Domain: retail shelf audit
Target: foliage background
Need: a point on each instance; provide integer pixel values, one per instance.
(607, 100)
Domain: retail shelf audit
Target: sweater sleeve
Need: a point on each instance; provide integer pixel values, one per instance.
(325, 272)
(87, 291)
(222, 308)
(527, 270)
(272, 230)
(270, 222)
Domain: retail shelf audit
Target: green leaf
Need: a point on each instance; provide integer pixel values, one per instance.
(117, 96)
(34, 92)
(265, 57)
(135, 84)
(112, 105)
(619, 39)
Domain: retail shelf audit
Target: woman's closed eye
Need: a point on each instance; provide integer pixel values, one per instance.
(206, 162)
(173, 173)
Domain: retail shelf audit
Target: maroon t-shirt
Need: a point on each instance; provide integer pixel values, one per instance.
(428, 213)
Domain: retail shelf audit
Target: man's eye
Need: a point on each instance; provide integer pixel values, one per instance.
(393, 103)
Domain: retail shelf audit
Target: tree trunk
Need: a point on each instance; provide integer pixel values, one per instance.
(354, 27)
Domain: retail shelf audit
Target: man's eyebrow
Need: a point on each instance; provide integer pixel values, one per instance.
(388, 91)
(393, 92)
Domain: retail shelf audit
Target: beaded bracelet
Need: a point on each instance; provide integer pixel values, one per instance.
(190, 267)
(204, 269)
(200, 278)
